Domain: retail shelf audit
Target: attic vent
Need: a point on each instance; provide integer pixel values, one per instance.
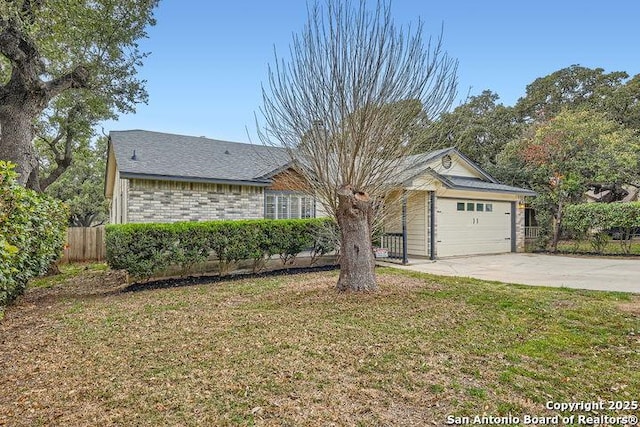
(446, 161)
(226, 152)
(134, 157)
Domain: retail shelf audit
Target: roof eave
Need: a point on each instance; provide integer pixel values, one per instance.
(276, 171)
(521, 191)
(251, 183)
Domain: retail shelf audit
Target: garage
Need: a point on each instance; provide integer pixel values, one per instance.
(472, 227)
(451, 207)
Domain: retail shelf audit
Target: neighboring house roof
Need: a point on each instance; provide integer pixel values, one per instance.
(633, 195)
(630, 193)
(190, 158)
(597, 197)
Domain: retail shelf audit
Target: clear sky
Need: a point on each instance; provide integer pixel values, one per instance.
(209, 58)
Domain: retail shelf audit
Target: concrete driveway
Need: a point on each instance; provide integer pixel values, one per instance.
(603, 274)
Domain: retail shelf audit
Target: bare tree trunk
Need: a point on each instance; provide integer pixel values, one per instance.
(357, 264)
(557, 224)
(16, 136)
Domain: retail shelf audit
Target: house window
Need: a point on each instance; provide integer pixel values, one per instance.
(270, 210)
(286, 205)
(470, 206)
(294, 207)
(460, 206)
(307, 207)
(480, 207)
(283, 207)
(488, 207)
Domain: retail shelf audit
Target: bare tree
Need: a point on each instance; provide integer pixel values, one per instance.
(344, 106)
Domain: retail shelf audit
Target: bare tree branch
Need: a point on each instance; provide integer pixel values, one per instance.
(78, 78)
(348, 98)
(63, 160)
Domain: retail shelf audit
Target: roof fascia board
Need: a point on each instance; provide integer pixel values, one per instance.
(449, 184)
(257, 183)
(522, 191)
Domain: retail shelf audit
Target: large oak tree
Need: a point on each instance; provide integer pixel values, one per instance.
(85, 50)
(480, 128)
(344, 106)
(582, 88)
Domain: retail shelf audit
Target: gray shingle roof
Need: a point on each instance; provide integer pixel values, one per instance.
(178, 157)
(422, 158)
(193, 158)
(478, 184)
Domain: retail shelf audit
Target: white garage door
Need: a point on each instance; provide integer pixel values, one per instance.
(469, 227)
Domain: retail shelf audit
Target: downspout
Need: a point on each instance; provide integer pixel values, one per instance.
(405, 259)
(432, 225)
(514, 244)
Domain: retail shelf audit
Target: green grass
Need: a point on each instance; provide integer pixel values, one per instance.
(290, 350)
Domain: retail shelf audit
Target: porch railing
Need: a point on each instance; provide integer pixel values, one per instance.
(395, 245)
(531, 233)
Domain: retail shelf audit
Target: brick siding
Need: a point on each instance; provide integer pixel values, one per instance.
(171, 201)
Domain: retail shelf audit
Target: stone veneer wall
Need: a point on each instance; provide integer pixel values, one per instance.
(520, 238)
(171, 201)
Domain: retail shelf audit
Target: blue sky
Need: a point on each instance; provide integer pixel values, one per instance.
(209, 58)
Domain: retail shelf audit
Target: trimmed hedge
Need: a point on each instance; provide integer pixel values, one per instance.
(595, 220)
(146, 249)
(32, 233)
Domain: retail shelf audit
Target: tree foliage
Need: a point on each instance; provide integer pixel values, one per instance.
(74, 61)
(480, 128)
(81, 186)
(563, 156)
(582, 88)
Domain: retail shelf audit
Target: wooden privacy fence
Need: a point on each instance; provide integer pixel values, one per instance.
(84, 244)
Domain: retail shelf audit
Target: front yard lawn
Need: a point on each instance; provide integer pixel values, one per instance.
(290, 350)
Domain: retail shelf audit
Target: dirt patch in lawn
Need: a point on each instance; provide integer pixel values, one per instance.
(290, 350)
(632, 306)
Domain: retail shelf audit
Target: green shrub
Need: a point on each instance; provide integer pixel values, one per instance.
(146, 249)
(32, 233)
(289, 238)
(141, 249)
(595, 220)
(326, 239)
